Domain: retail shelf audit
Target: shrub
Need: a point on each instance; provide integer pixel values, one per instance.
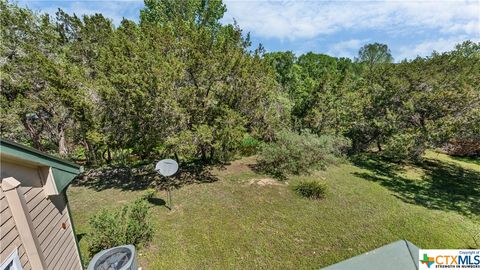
(249, 145)
(149, 193)
(293, 153)
(463, 148)
(126, 225)
(311, 189)
(404, 147)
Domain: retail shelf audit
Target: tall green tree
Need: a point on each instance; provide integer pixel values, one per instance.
(374, 54)
(39, 84)
(204, 13)
(183, 83)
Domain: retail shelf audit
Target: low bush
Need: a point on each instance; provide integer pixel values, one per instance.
(149, 193)
(293, 153)
(249, 145)
(311, 189)
(463, 148)
(126, 225)
(402, 148)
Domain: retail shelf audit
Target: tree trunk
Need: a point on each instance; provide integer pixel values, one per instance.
(212, 153)
(204, 154)
(90, 155)
(107, 159)
(379, 146)
(62, 145)
(33, 134)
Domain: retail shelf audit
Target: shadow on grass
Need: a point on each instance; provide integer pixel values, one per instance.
(80, 236)
(261, 169)
(443, 186)
(473, 160)
(144, 177)
(157, 201)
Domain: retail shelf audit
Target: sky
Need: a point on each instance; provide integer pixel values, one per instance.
(338, 28)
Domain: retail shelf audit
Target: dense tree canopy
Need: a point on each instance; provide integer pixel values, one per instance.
(181, 83)
(400, 108)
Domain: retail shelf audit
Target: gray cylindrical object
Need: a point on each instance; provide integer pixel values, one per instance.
(117, 258)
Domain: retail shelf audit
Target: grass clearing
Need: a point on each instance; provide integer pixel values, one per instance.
(237, 223)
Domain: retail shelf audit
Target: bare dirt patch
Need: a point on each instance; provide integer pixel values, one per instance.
(242, 165)
(265, 182)
(235, 167)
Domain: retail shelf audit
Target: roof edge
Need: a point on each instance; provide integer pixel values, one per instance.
(37, 153)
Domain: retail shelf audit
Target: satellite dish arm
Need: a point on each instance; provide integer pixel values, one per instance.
(176, 157)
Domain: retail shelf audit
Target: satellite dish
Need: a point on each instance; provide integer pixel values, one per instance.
(166, 167)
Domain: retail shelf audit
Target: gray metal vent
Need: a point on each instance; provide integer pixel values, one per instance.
(117, 258)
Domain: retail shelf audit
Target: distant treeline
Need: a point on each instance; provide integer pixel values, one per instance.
(181, 83)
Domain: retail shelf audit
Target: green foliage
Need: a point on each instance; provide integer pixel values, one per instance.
(149, 193)
(403, 147)
(193, 12)
(374, 54)
(179, 80)
(311, 189)
(249, 145)
(182, 83)
(320, 88)
(129, 224)
(293, 153)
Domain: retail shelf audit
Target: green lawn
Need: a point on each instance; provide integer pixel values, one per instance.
(235, 223)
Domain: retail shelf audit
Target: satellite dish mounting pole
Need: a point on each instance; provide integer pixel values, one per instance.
(169, 191)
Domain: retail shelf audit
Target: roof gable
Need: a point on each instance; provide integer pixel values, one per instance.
(63, 171)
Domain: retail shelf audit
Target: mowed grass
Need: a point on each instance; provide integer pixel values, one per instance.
(236, 223)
